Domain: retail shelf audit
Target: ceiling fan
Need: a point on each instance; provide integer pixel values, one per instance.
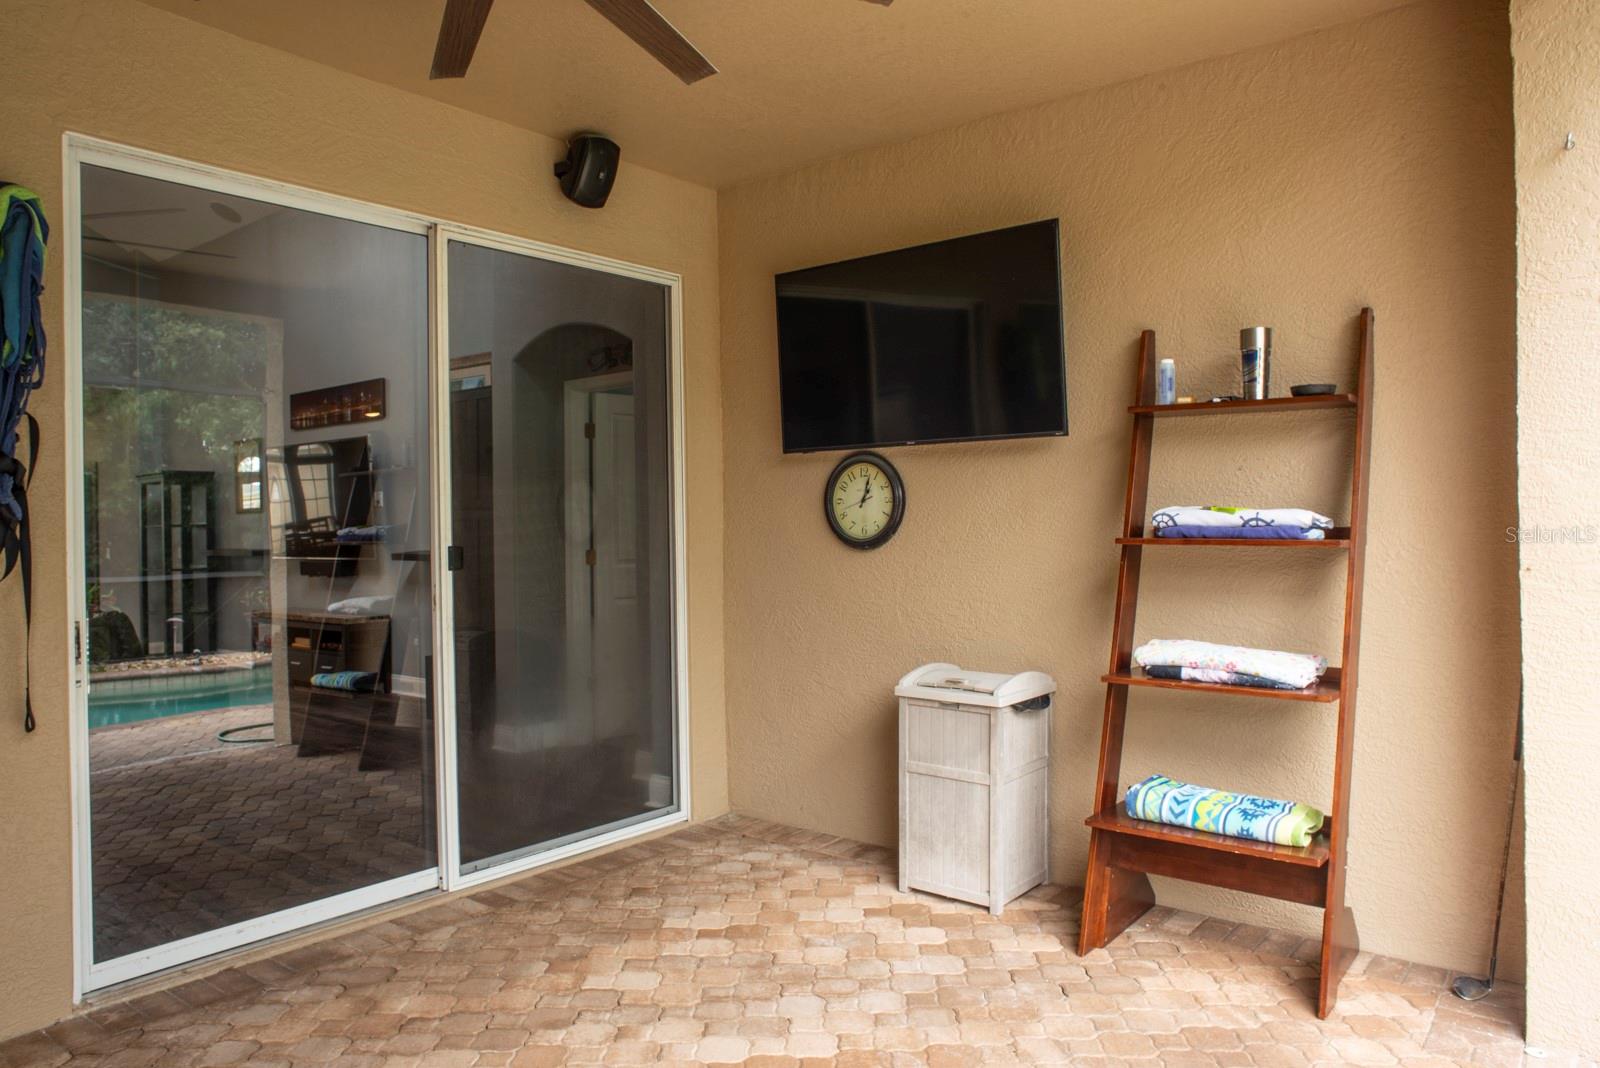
(464, 19)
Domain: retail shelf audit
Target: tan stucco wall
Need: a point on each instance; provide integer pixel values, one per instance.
(120, 70)
(1556, 50)
(1366, 164)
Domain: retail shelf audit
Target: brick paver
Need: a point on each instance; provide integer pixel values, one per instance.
(743, 940)
(191, 834)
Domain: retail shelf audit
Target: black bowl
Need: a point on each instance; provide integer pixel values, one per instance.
(1313, 389)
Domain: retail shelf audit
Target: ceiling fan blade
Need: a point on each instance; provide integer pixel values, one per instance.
(160, 248)
(655, 35)
(132, 212)
(458, 37)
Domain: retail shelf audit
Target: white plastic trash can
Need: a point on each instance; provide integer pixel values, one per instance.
(974, 783)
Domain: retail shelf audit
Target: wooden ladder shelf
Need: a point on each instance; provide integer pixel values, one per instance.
(1123, 851)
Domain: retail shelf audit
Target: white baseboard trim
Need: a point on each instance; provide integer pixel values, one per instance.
(660, 791)
(408, 686)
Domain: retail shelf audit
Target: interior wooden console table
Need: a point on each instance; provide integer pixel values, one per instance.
(323, 720)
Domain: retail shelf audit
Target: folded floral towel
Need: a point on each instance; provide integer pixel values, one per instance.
(1212, 515)
(361, 606)
(357, 535)
(1164, 800)
(1293, 670)
(1278, 532)
(1222, 678)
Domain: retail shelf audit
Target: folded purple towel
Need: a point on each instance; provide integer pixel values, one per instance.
(1278, 533)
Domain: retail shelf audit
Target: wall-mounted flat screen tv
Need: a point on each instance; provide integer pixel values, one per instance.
(955, 341)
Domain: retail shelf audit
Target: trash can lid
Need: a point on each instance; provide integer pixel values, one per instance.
(955, 685)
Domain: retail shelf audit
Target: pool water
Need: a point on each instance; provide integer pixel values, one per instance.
(130, 700)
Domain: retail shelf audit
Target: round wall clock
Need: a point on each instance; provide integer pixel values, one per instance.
(864, 500)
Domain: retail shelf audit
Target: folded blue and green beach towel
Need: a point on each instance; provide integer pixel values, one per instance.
(354, 681)
(1163, 800)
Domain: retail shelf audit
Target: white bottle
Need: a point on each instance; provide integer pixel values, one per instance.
(1166, 382)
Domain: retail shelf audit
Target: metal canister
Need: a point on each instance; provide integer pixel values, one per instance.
(1255, 361)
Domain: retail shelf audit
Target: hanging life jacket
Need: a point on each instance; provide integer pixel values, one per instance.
(23, 234)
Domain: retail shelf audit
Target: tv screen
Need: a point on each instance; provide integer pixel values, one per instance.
(954, 341)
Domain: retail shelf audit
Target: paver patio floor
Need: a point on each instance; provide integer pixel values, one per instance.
(742, 940)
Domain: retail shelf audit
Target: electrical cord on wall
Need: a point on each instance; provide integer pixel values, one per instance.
(1470, 987)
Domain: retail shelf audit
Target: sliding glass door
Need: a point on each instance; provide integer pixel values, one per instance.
(561, 529)
(255, 449)
(376, 557)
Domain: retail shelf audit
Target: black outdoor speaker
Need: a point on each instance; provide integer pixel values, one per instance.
(589, 169)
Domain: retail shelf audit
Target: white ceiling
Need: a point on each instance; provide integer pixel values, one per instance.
(131, 220)
(800, 80)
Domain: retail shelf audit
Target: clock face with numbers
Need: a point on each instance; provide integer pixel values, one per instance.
(864, 500)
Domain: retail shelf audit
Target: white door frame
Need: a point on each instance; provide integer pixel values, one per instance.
(79, 150)
(575, 407)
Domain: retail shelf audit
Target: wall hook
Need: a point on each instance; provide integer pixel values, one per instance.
(1571, 142)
